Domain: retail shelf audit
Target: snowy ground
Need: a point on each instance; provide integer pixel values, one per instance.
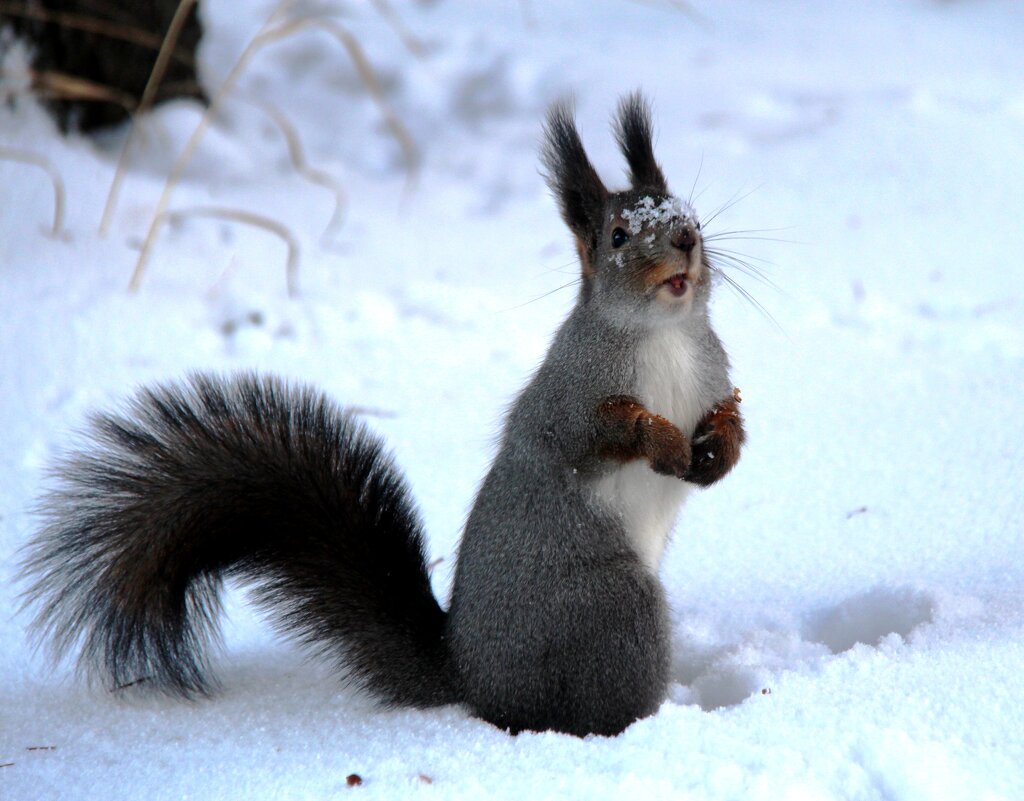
(849, 617)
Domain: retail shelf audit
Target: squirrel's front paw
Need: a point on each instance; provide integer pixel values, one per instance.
(666, 447)
(629, 431)
(716, 442)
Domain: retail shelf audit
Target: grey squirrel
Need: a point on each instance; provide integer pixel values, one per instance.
(557, 617)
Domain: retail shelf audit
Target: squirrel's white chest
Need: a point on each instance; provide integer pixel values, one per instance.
(667, 383)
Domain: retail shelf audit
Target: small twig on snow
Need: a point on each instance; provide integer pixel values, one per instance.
(248, 218)
(156, 76)
(414, 45)
(268, 35)
(43, 163)
(297, 155)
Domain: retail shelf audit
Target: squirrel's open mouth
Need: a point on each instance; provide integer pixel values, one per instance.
(676, 284)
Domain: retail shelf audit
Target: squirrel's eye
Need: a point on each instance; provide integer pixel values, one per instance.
(698, 226)
(619, 238)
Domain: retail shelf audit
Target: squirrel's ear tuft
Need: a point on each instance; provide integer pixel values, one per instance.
(633, 132)
(573, 179)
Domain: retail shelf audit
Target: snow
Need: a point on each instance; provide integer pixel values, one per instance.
(646, 213)
(849, 621)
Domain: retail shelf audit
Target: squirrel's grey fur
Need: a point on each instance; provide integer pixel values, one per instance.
(557, 617)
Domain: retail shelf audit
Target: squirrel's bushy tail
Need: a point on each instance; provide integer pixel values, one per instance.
(245, 477)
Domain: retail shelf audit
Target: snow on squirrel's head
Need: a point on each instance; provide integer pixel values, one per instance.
(641, 250)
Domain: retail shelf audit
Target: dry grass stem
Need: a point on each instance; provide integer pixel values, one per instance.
(409, 39)
(274, 227)
(193, 142)
(269, 34)
(156, 76)
(63, 86)
(367, 75)
(43, 163)
(297, 155)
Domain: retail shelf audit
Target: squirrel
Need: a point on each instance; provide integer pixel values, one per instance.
(557, 617)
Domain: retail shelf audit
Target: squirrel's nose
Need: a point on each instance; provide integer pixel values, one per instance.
(685, 239)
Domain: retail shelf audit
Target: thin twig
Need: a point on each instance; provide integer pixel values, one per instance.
(297, 155)
(268, 35)
(248, 218)
(178, 168)
(64, 86)
(369, 78)
(414, 45)
(156, 76)
(43, 163)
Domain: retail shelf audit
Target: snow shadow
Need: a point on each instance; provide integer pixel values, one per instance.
(717, 675)
(870, 617)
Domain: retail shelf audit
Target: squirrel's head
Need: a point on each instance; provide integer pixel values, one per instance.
(641, 250)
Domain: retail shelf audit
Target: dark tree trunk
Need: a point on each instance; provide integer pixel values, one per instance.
(91, 59)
